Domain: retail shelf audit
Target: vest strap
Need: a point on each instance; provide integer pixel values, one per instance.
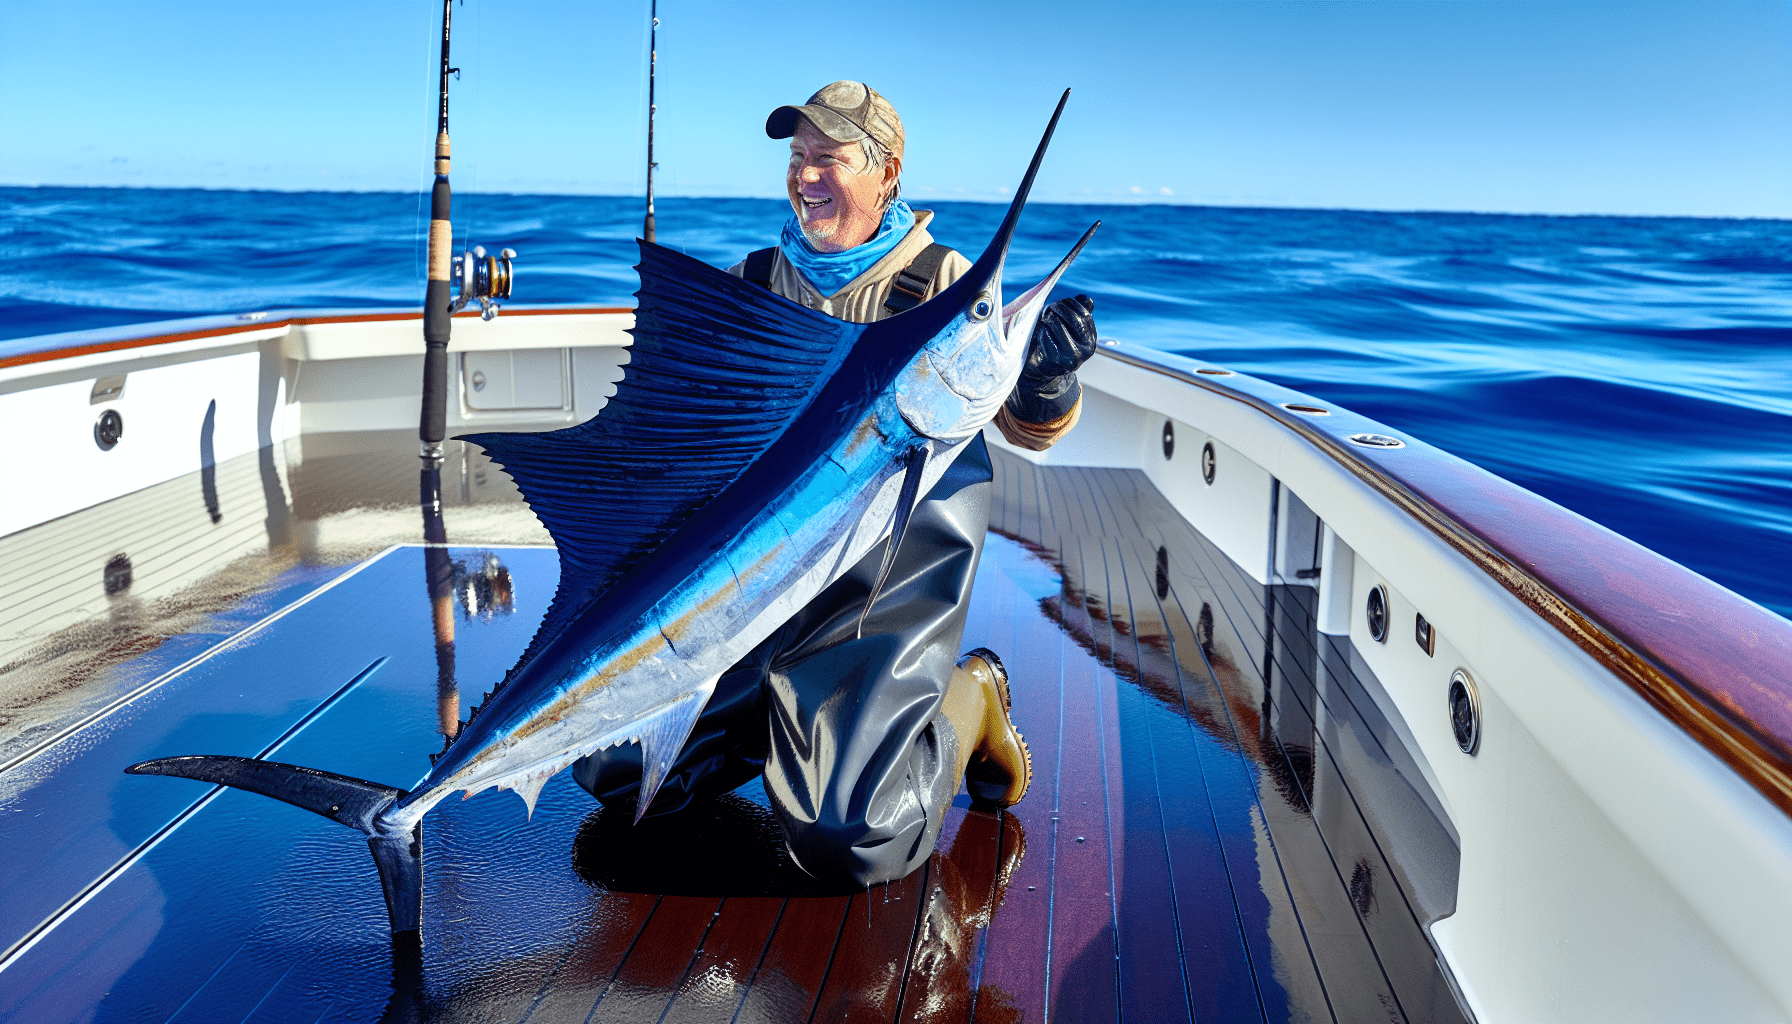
(759, 267)
(907, 291)
(910, 287)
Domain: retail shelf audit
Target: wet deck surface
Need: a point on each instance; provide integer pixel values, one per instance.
(1218, 828)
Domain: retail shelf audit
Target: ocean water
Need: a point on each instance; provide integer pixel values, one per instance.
(1636, 370)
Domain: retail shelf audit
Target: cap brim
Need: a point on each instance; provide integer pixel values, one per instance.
(782, 123)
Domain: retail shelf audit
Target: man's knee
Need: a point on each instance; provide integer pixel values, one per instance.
(876, 826)
(847, 850)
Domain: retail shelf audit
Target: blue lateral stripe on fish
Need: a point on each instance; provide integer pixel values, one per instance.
(804, 435)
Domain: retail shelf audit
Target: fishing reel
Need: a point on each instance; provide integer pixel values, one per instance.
(484, 279)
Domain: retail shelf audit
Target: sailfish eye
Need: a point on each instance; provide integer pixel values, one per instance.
(981, 309)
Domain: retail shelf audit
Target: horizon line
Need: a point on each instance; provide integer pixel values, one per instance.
(1150, 201)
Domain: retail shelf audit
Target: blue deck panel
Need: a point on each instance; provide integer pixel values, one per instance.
(248, 885)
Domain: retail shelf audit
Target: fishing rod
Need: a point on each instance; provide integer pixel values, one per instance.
(480, 278)
(653, 55)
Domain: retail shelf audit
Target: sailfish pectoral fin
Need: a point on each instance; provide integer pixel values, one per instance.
(357, 803)
(914, 464)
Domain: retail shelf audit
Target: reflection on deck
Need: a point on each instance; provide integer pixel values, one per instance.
(1221, 825)
(104, 601)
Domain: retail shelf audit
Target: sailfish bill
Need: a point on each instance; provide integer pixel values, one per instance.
(754, 451)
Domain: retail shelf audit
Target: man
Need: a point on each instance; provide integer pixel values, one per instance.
(863, 738)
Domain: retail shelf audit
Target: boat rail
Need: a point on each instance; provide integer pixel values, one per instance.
(1716, 664)
(50, 347)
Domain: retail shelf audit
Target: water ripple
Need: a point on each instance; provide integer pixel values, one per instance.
(1636, 370)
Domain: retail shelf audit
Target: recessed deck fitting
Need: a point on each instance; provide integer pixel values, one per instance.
(1377, 441)
(1425, 634)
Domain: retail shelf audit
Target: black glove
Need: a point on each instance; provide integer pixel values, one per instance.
(1063, 339)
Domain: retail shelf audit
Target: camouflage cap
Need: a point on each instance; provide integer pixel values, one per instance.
(844, 112)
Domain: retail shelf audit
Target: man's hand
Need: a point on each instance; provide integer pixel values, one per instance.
(1063, 339)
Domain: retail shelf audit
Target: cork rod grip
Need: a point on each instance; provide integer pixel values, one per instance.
(433, 424)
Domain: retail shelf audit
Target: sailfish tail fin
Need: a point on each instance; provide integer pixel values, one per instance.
(357, 803)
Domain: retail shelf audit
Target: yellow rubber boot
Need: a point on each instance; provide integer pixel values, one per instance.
(1000, 768)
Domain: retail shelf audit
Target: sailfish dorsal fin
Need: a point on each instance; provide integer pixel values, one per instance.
(718, 371)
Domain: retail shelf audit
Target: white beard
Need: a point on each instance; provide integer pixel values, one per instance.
(817, 233)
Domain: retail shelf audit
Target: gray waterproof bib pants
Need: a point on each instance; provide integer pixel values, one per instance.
(859, 763)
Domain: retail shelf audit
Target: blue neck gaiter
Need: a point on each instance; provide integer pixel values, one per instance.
(831, 271)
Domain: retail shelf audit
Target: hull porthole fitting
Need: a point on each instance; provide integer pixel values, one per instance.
(1465, 711)
(108, 429)
(1169, 439)
(1210, 463)
(1377, 612)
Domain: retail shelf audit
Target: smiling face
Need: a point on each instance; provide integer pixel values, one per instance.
(838, 200)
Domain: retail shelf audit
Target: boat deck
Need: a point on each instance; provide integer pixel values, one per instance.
(1221, 825)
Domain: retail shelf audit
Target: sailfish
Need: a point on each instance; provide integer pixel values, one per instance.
(754, 452)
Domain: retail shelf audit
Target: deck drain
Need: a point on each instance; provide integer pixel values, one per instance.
(1215, 373)
(1169, 439)
(1210, 463)
(1377, 441)
(1310, 410)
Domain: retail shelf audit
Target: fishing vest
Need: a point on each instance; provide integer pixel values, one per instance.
(916, 270)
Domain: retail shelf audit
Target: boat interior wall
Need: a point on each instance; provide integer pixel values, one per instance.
(1710, 660)
(515, 380)
(172, 417)
(539, 370)
(1585, 815)
(1337, 565)
(210, 390)
(1231, 508)
(1296, 549)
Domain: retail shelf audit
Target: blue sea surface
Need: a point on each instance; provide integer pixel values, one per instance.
(1635, 370)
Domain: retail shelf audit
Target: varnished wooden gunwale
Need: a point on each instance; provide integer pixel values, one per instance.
(218, 327)
(1712, 662)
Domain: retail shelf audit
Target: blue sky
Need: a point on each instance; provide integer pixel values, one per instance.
(1638, 107)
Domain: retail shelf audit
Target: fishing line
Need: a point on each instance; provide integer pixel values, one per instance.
(465, 213)
(635, 182)
(425, 167)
